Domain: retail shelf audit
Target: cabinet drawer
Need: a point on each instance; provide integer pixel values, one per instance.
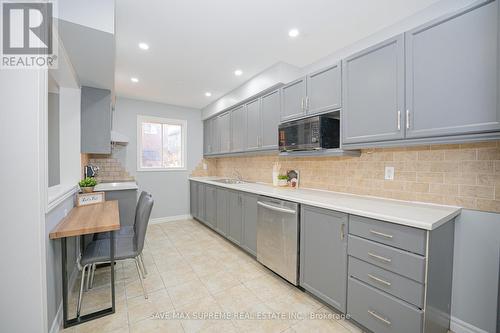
(405, 263)
(380, 312)
(394, 284)
(403, 237)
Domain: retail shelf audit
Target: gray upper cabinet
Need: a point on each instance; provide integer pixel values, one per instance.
(254, 124)
(238, 129)
(210, 205)
(323, 255)
(224, 133)
(249, 240)
(95, 120)
(235, 217)
(451, 74)
(208, 134)
(221, 224)
(293, 97)
(324, 90)
(270, 113)
(373, 93)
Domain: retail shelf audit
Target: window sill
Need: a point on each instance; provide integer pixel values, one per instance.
(59, 193)
(160, 169)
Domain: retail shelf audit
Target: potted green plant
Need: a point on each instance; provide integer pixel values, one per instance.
(87, 184)
(282, 180)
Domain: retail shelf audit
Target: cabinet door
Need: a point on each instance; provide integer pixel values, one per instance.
(293, 99)
(207, 136)
(373, 93)
(222, 211)
(254, 125)
(238, 129)
(95, 121)
(210, 205)
(249, 241)
(216, 136)
(451, 74)
(224, 130)
(323, 255)
(201, 202)
(323, 90)
(193, 198)
(270, 113)
(235, 217)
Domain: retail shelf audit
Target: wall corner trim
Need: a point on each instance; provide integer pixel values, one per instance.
(459, 326)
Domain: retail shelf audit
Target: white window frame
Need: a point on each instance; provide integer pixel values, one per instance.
(160, 120)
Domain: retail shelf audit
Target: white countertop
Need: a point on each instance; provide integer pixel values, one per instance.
(413, 214)
(118, 186)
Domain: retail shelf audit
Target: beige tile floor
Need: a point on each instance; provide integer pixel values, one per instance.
(195, 272)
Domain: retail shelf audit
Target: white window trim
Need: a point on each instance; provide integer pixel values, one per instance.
(150, 119)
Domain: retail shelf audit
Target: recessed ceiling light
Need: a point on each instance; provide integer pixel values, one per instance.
(143, 46)
(134, 79)
(293, 33)
(238, 72)
(208, 94)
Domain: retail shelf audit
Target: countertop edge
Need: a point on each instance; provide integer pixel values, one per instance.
(454, 211)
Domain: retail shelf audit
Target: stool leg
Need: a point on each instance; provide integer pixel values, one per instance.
(80, 294)
(140, 277)
(144, 271)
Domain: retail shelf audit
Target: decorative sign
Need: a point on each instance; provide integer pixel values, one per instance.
(84, 199)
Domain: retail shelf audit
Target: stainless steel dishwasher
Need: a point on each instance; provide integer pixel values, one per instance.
(277, 236)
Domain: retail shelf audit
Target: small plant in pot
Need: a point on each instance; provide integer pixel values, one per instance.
(282, 180)
(87, 184)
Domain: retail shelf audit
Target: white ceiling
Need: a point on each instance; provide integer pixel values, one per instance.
(195, 45)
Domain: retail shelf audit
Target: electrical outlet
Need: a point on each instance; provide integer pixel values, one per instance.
(389, 173)
(205, 166)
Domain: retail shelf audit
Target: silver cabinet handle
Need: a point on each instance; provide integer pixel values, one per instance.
(378, 233)
(302, 103)
(373, 277)
(376, 256)
(407, 119)
(276, 208)
(399, 120)
(342, 231)
(307, 102)
(379, 317)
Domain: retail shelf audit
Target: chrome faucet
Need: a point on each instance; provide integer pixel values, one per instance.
(237, 174)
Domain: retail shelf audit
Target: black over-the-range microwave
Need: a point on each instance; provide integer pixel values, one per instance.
(314, 133)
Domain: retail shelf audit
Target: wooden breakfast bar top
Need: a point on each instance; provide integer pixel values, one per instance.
(101, 217)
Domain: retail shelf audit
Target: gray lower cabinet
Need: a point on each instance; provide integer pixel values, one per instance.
(373, 93)
(210, 205)
(249, 239)
(270, 113)
(254, 125)
(95, 120)
(238, 129)
(293, 99)
(323, 255)
(324, 90)
(200, 200)
(193, 196)
(451, 74)
(235, 217)
(221, 224)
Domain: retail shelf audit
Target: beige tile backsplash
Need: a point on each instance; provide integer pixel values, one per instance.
(466, 175)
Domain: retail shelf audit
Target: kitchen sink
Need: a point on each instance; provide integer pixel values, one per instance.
(229, 181)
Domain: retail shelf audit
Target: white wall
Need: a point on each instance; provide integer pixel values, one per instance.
(170, 189)
(23, 102)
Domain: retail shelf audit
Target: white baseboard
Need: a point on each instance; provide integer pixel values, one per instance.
(57, 323)
(459, 326)
(170, 218)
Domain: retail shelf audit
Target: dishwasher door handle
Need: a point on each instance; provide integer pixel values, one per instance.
(276, 208)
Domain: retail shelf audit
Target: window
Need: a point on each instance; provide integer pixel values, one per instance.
(161, 144)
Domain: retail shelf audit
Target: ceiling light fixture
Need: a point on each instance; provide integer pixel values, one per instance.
(208, 94)
(143, 46)
(293, 33)
(134, 79)
(238, 72)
